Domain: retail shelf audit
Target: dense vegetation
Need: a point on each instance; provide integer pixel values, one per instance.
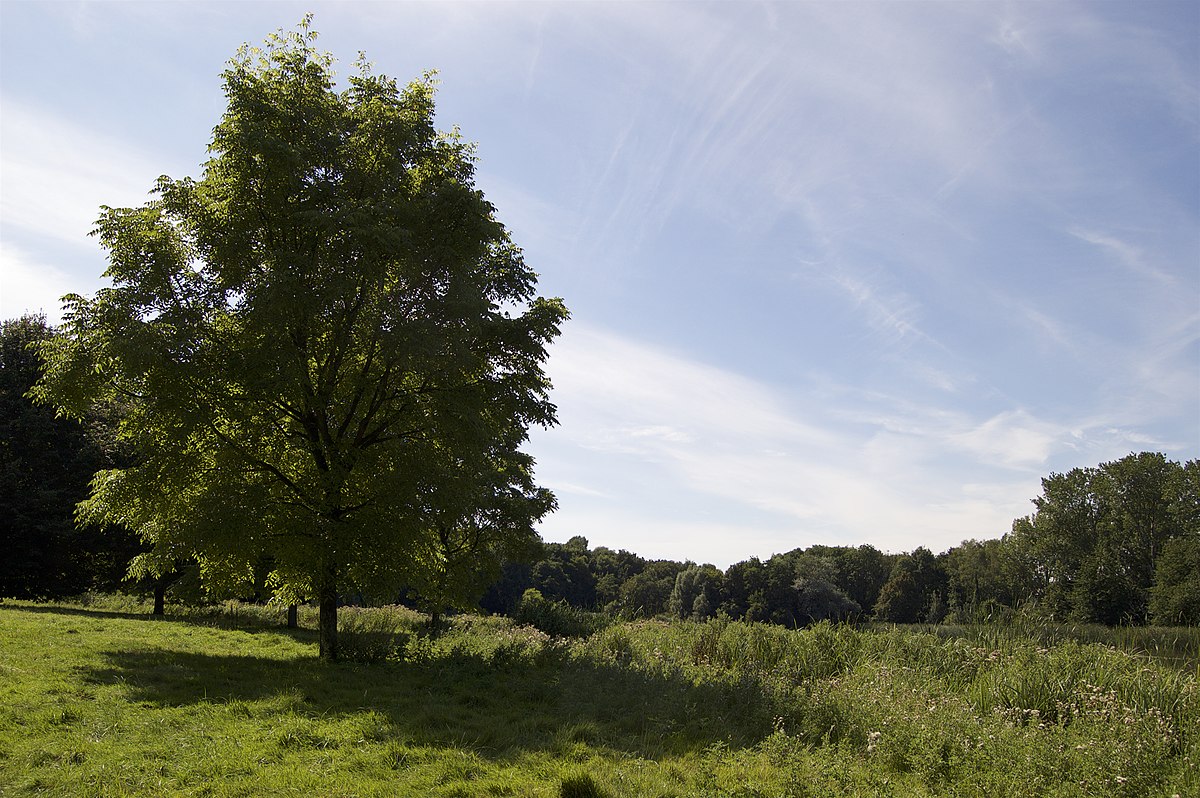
(100, 700)
(46, 465)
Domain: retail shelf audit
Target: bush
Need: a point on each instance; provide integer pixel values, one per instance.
(557, 618)
(374, 635)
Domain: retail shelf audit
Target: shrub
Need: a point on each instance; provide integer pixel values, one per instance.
(374, 635)
(557, 618)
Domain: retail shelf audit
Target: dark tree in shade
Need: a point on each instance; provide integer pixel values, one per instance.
(46, 465)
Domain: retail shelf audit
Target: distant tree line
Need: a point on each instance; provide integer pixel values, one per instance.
(1118, 543)
(1115, 544)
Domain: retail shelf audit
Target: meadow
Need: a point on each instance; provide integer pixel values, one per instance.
(100, 699)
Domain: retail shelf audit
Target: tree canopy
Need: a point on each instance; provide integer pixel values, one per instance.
(330, 348)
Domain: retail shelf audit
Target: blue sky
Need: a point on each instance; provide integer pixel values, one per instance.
(840, 272)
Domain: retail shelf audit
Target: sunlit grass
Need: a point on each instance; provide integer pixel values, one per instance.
(102, 700)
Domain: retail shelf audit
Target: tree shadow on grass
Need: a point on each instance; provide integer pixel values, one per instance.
(498, 711)
(80, 611)
(214, 620)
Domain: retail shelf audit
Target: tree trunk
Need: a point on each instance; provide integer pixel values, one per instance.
(293, 621)
(160, 597)
(328, 631)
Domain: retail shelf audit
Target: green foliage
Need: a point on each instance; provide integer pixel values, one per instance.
(1093, 545)
(1102, 548)
(564, 573)
(1175, 596)
(861, 573)
(613, 569)
(647, 593)
(330, 348)
(696, 593)
(1083, 557)
(912, 591)
(983, 581)
(557, 618)
(818, 600)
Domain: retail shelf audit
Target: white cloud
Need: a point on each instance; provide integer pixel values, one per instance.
(653, 443)
(681, 442)
(893, 315)
(1012, 438)
(664, 537)
(55, 175)
(27, 286)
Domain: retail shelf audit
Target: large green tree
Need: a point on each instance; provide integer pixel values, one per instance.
(646, 593)
(330, 347)
(984, 575)
(696, 593)
(861, 573)
(1094, 543)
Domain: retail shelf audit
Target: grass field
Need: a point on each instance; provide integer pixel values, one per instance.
(102, 700)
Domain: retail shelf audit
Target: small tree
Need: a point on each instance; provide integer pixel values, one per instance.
(819, 600)
(862, 573)
(646, 593)
(696, 593)
(309, 336)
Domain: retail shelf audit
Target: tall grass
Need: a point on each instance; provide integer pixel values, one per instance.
(1177, 647)
(1074, 718)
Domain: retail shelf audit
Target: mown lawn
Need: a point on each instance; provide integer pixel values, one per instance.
(104, 702)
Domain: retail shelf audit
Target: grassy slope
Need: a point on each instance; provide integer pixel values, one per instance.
(111, 703)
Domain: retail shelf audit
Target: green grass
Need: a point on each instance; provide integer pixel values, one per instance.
(101, 700)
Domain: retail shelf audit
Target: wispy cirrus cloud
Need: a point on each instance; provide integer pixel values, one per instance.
(1127, 254)
(841, 272)
(895, 316)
